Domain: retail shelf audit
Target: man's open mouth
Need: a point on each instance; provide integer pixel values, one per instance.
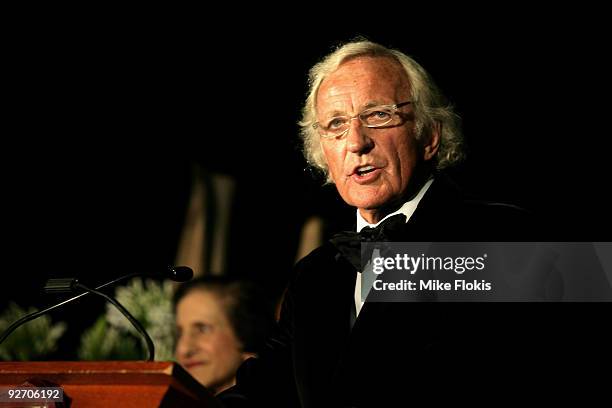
(361, 171)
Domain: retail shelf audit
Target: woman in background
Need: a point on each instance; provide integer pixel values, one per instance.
(220, 323)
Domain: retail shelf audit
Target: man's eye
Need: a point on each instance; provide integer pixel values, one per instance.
(378, 116)
(336, 123)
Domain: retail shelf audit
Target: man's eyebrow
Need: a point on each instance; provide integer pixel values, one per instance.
(372, 104)
(368, 105)
(335, 113)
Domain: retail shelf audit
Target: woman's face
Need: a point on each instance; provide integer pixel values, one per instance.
(206, 343)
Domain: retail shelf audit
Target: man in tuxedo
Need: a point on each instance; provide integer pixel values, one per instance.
(378, 128)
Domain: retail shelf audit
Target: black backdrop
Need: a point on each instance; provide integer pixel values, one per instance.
(103, 121)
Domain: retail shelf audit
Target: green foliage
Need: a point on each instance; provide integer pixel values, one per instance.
(34, 340)
(104, 342)
(112, 337)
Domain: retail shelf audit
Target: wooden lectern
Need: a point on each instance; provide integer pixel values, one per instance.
(114, 384)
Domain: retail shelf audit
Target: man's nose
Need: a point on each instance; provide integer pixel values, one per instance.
(357, 139)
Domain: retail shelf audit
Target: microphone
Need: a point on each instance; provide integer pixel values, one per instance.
(179, 273)
(126, 313)
(62, 285)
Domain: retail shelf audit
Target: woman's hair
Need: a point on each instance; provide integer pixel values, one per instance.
(430, 106)
(246, 305)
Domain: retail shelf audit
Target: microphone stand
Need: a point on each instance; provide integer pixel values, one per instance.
(34, 315)
(135, 323)
(178, 274)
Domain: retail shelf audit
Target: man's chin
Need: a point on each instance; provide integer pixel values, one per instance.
(368, 198)
(369, 207)
(377, 206)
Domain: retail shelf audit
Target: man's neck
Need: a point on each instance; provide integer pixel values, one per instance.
(376, 215)
(407, 207)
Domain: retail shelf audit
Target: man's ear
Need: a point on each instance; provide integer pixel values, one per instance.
(433, 143)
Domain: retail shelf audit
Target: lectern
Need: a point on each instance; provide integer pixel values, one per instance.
(114, 384)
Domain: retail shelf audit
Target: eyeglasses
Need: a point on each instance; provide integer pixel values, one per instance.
(374, 117)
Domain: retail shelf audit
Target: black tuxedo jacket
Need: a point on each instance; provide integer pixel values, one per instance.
(396, 352)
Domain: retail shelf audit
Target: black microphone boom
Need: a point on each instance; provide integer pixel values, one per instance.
(128, 315)
(179, 274)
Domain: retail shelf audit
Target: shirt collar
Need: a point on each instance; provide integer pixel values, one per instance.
(407, 209)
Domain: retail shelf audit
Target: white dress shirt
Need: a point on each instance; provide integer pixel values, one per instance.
(407, 209)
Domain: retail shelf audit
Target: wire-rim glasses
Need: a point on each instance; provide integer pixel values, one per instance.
(373, 117)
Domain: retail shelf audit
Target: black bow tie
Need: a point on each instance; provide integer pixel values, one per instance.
(349, 242)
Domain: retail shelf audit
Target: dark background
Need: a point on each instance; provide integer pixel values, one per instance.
(104, 120)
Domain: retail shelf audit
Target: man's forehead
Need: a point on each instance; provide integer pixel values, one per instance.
(382, 68)
(370, 80)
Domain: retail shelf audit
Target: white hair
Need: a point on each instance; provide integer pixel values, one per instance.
(430, 107)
